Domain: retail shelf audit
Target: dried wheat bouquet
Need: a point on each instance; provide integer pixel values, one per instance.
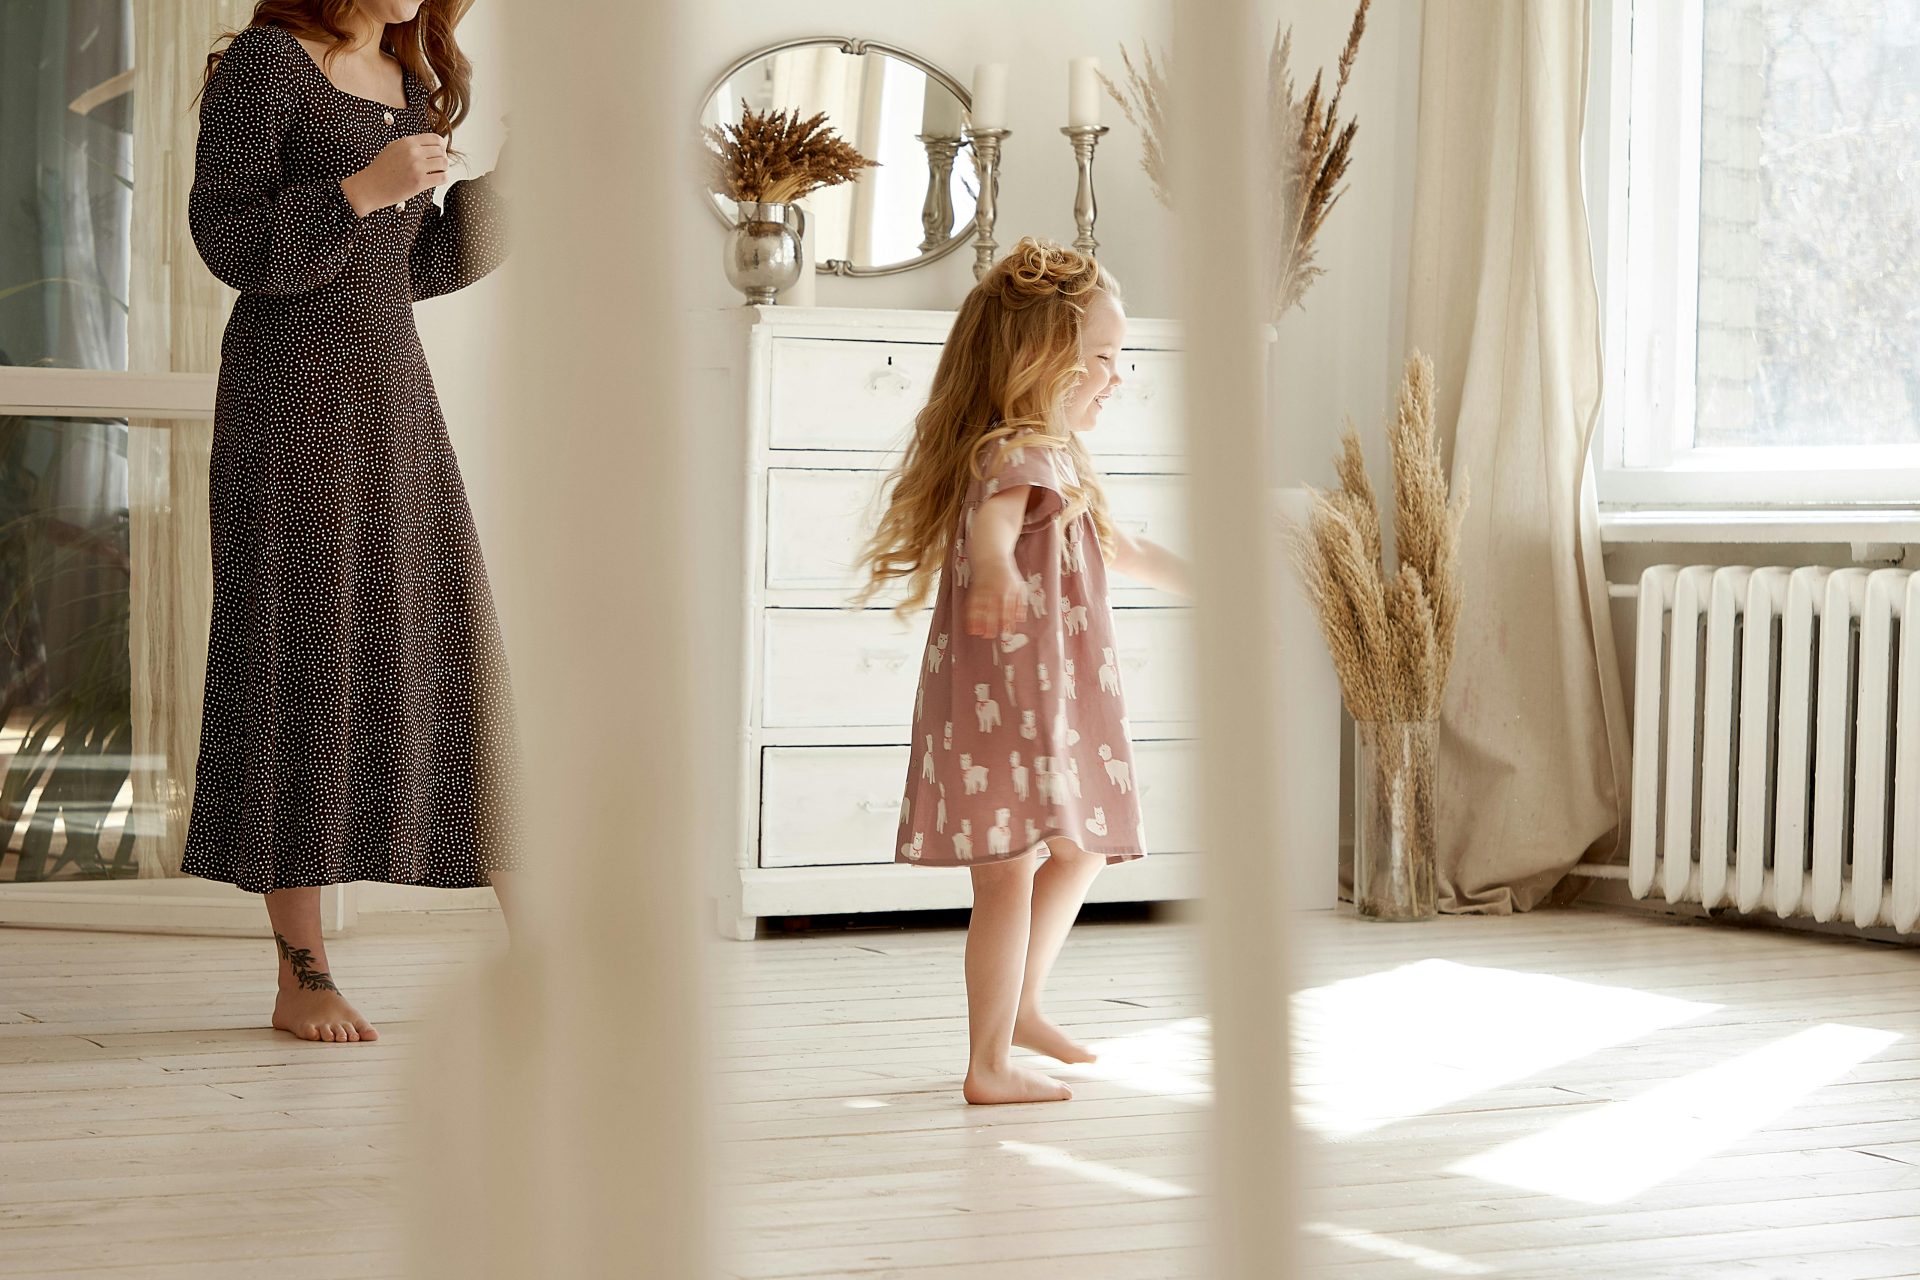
(1391, 633)
(772, 157)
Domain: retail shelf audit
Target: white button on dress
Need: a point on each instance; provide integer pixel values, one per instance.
(388, 117)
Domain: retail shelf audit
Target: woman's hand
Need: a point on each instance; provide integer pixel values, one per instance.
(996, 598)
(404, 168)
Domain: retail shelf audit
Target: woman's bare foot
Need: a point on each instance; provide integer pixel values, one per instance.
(1034, 1031)
(320, 1015)
(986, 1086)
(310, 1005)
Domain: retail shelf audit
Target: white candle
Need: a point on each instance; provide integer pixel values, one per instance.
(990, 96)
(1083, 91)
(939, 111)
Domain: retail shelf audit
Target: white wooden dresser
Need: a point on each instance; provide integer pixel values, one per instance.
(824, 401)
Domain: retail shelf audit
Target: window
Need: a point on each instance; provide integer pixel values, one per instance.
(103, 542)
(1758, 194)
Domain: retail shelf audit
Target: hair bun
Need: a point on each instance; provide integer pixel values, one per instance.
(1036, 268)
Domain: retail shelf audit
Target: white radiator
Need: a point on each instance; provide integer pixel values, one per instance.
(1776, 745)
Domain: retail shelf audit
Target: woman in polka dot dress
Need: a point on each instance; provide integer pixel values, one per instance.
(358, 722)
(1021, 767)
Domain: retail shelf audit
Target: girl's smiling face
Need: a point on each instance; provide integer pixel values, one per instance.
(1104, 329)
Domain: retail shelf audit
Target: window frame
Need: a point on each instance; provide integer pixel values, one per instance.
(1646, 65)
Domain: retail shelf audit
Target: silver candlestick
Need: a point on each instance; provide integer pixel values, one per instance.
(1085, 138)
(986, 207)
(936, 212)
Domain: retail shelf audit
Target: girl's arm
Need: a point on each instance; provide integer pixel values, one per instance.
(1151, 564)
(997, 597)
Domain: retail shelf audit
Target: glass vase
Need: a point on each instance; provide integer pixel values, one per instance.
(1393, 812)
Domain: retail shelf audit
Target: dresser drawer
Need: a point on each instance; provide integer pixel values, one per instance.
(829, 806)
(840, 806)
(829, 667)
(1154, 657)
(840, 394)
(1145, 414)
(818, 520)
(1167, 774)
(847, 394)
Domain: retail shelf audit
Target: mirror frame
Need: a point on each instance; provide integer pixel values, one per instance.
(856, 46)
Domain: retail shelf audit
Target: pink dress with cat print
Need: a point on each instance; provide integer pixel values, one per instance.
(1024, 737)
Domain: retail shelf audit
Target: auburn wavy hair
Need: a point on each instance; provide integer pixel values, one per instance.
(1011, 364)
(425, 46)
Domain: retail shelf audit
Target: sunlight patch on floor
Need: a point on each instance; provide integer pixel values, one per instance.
(1387, 1247)
(1044, 1157)
(1616, 1151)
(1405, 1041)
(1174, 1061)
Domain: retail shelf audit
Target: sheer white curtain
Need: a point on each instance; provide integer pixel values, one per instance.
(850, 91)
(1502, 295)
(176, 314)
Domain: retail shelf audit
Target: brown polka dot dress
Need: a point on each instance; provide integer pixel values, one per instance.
(358, 722)
(1023, 738)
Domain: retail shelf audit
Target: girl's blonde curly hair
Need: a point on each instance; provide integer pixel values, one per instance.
(1010, 365)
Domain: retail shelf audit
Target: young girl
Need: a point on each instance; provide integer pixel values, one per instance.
(1021, 768)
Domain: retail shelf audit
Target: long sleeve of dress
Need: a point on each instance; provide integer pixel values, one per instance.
(461, 243)
(257, 232)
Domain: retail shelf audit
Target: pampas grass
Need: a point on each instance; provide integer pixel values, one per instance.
(1144, 104)
(1390, 632)
(1312, 147)
(1309, 149)
(774, 157)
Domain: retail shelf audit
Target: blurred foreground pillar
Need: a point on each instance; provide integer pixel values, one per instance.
(1217, 115)
(564, 1125)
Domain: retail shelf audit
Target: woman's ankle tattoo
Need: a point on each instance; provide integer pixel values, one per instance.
(300, 959)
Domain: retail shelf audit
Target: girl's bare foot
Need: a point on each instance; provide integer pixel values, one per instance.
(1034, 1031)
(989, 1085)
(320, 1014)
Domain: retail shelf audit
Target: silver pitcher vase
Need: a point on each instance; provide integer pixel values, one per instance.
(763, 252)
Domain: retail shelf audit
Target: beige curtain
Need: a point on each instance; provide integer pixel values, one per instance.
(175, 318)
(1502, 295)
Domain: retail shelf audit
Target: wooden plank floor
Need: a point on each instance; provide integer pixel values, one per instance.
(1565, 1093)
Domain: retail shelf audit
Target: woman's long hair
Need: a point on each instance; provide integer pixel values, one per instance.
(425, 46)
(1010, 365)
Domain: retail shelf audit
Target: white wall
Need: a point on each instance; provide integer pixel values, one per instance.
(1338, 356)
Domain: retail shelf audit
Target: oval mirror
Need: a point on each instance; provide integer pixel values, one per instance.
(893, 107)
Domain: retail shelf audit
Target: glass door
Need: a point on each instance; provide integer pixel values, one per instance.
(109, 330)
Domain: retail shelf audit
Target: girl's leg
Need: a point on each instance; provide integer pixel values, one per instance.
(309, 1005)
(1059, 887)
(997, 938)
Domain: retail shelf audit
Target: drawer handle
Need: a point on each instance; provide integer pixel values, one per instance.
(1134, 526)
(1135, 658)
(888, 380)
(880, 806)
(890, 659)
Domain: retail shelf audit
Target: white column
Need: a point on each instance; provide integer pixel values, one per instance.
(1216, 113)
(566, 1119)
